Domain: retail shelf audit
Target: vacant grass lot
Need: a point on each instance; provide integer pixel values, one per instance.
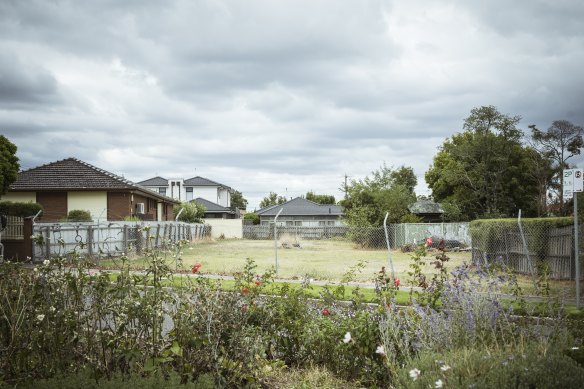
(320, 260)
(317, 259)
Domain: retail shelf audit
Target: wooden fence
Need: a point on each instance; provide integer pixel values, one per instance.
(554, 249)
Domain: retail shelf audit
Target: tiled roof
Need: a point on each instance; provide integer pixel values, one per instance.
(201, 181)
(212, 207)
(73, 174)
(425, 206)
(156, 181)
(301, 207)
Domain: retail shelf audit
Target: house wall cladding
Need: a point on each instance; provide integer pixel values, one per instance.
(56, 202)
(149, 209)
(93, 201)
(118, 205)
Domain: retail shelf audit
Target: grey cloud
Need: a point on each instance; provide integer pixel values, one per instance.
(24, 84)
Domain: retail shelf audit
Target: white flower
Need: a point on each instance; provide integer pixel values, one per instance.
(414, 374)
(46, 262)
(575, 348)
(40, 317)
(380, 350)
(347, 338)
(445, 368)
(438, 384)
(52, 309)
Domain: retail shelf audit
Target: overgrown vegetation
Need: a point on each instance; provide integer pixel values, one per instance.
(64, 318)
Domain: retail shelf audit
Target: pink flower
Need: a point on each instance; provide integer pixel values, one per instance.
(326, 312)
(429, 241)
(396, 282)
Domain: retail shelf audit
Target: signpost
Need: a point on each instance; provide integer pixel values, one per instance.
(574, 183)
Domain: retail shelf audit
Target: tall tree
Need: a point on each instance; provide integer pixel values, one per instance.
(272, 199)
(9, 165)
(560, 142)
(320, 199)
(386, 190)
(237, 200)
(482, 171)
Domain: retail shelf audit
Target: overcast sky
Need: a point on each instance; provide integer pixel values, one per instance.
(283, 96)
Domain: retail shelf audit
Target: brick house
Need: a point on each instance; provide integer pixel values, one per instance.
(70, 184)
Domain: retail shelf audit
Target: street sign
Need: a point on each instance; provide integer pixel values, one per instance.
(573, 182)
(568, 189)
(578, 181)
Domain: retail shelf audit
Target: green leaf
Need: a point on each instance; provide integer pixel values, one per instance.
(176, 349)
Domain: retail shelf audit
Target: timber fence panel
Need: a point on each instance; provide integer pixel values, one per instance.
(541, 248)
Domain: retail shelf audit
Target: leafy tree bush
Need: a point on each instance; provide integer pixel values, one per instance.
(387, 190)
(411, 218)
(485, 170)
(79, 215)
(9, 165)
(272, 199)
(193, 212)
(320, 199)
(237, 200)
(10, 208)
(254, 217)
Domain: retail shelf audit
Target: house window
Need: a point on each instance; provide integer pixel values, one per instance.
(189, 194)
(289, 223)
(298, 223)
(162, 191)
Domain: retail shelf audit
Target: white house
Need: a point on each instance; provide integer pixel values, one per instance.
(190, 189)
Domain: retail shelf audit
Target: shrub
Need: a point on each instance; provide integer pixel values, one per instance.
(503, 368)
(79, 215)
(193, 212)
(254, 217)
(10, 208)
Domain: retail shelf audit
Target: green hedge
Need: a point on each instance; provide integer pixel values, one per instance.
(78, 215)
(10, 208)
(489, 234)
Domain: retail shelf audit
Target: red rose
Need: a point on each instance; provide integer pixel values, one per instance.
(257, 282)
(396, 282)
(244, 290)
(194, 269)
(326, 312)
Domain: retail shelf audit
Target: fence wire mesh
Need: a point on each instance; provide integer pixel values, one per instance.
(399, 235)
(528, 248)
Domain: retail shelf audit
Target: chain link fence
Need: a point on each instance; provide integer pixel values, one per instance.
(533, 247)
(399, 235)
(110, 238)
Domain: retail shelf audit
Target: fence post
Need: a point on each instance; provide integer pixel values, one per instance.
(125, 239)
(89, 241)
(147, 245)
(48, 242)
(27, 231)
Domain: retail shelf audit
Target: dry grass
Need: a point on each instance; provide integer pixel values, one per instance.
(324, 260)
